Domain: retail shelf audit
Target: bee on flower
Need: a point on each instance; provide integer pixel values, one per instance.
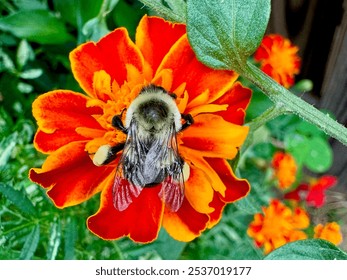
(152, 132)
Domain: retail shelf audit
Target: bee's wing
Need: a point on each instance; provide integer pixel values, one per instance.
(127, 186)
(172, 191)
(124, 192)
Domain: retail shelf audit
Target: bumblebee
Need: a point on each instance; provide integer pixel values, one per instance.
(150, 153)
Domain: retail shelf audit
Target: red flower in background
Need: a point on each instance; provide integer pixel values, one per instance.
(278, 58)
(313, 193)
(72, 126)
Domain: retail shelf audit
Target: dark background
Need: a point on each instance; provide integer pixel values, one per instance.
(319, 28)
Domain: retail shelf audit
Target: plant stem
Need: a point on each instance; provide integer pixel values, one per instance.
(291, 103)
(259, 121)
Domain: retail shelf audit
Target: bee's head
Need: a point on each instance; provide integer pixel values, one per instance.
(154, 110)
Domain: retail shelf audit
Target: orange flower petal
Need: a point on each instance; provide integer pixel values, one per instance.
(140, 221)
(198, 191)
(155, 37)
(111, 54)
(214, 137)
(70, 175)
(330, 231)
(185, 224)
(198, 77)
(235, 189)
(63, 109)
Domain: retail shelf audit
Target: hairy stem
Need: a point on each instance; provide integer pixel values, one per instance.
(291, 103)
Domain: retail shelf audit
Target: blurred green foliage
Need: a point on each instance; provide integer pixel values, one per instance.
(36, 37)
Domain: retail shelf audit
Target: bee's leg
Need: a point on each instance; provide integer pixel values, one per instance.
(117, 123)
(105, 154)
(174, 96)
(189, 121)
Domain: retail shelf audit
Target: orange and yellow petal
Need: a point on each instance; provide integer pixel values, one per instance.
(112, 54)
(278, 225)
(186, 224)
(198, 191)
(212, 136)
(63, 109)
(141, 221)
(58, 114)
(197, 77)
(330, 231)
(70, 176)
(279, 59)
(155, 37)
(285, 169)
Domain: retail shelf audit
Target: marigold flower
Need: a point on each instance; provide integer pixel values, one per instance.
(285, 169)
(278, 58)
(314, 192)
(73, 126)
(329, 231)
(277, 226)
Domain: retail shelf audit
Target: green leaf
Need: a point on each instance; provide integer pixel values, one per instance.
(177, 6)
(77, 12)
(37, 26)
(31, 243)
(70, 238)
(167, 247)
(224, 34)
(18, 199)
(24, 54)
(320, 156)
(54, 239)
(6, 62)
(30, 4)
(308, 129)
(7, 145)
(127, 16)
(95, 28)
(298, 146)
(310, 249)
(31, 74)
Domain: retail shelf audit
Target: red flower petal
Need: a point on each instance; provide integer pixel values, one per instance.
(49, 142)
(70, 175)
(235, 188)
(140, 221)
(237, 99)
(111, 54)
(155, 37)
(218, 206)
